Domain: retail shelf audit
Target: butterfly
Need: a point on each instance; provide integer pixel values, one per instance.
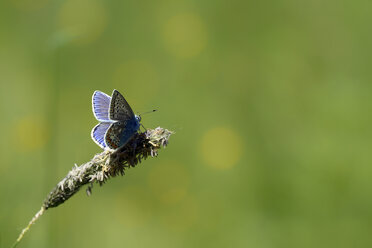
(117, 122)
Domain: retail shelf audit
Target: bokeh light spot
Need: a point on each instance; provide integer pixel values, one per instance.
(169, 182)
(185, 35)
(84, 20)
(221, 148)
(30, 134)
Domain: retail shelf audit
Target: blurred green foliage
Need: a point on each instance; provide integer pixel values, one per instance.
(270, 101)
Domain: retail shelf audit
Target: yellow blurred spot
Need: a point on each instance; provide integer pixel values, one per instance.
(83, 20)
(221, 148)
(185, 35)
(182, 216)
(169, 182)
(30, 134)
(29, 5)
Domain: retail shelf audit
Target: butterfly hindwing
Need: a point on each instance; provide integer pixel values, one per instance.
(101, 105)
(112, 136)
(119, 108)
(119, 133)
(98, 133)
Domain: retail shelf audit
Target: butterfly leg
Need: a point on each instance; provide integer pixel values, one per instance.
(143, 127)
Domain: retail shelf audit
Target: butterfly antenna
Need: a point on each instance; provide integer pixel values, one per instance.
(147, 112)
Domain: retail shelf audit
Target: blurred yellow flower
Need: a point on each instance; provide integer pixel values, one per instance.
(221, 148)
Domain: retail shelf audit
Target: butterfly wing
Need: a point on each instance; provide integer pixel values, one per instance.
(119, 108)
(101, 106)
(119, 133)
(98, 133)
(112, 136)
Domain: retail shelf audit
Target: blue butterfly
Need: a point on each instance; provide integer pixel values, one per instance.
(117, 124)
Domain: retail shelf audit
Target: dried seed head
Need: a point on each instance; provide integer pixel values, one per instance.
(108, 164)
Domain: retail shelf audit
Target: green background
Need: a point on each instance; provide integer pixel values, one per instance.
(270, 101)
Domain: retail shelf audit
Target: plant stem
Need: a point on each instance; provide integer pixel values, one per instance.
(34, 219)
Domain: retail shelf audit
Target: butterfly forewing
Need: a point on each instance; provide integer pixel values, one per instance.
(101, 105)
(119, 108)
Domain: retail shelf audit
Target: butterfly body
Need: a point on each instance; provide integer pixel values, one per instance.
(117, 124)
(120, 132)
